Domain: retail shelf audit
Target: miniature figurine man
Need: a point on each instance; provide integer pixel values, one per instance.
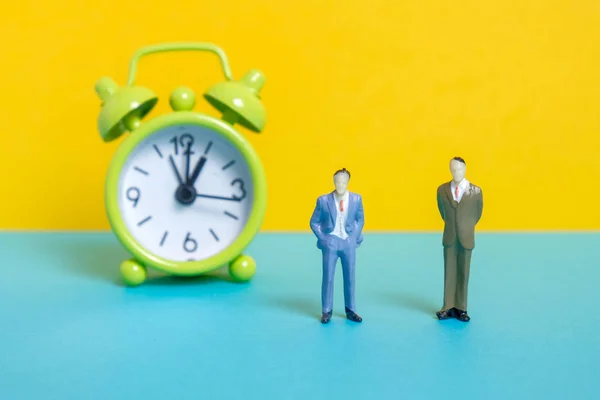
(460, 204)
(337, 222)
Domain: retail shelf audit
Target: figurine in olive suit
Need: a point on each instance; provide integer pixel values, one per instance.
(337, 222)
(460, 203)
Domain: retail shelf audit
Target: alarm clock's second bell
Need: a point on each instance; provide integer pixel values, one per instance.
(240, 101)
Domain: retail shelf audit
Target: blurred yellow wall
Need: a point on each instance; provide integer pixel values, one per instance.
(390, 90)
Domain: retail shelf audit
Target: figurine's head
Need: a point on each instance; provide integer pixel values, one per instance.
(458, 168)
(340, 179)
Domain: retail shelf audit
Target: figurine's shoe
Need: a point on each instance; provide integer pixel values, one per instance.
(446, 314)
(462, 316)
(352, 316)
(326, 317)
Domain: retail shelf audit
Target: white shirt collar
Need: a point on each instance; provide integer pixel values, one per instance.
(464, 184)
(344, 197)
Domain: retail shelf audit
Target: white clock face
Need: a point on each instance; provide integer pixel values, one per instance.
(181, 211)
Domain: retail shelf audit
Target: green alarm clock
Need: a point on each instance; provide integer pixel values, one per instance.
(185, 193)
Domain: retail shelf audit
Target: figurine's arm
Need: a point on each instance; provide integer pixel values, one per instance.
(360, 217)
(479, 206)
(315, 220)
(440, 205)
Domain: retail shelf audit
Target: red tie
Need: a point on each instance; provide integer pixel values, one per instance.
(342, 205)
(456, 192)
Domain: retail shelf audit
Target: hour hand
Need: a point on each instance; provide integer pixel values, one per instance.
(233, 198)
(197, 169)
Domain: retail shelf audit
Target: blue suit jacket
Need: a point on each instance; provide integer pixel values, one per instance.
(323, 218)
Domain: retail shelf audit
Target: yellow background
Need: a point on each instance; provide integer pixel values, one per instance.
(390, 90)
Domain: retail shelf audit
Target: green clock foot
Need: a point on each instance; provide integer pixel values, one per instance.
(242, 269)
(132, 272)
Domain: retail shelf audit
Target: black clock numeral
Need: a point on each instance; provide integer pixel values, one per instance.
(174, 141)
(240, 183)
(190, 245)
(185, 141)
(133, 194)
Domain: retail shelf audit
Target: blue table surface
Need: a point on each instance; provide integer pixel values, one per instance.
(70, 330)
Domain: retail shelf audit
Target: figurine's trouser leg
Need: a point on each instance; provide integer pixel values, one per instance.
(449, 276)
(330, 256)
(348, 258)
(457, 262)
(462, 278)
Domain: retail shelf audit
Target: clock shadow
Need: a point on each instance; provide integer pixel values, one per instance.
(162, 279)
(101, 259)
(97, 259)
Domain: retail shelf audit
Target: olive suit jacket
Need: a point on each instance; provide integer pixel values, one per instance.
(460, 218)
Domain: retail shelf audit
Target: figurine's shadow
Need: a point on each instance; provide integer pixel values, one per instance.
(410, 301)
(299, 305)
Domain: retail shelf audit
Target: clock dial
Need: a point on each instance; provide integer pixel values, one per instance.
(185, 193)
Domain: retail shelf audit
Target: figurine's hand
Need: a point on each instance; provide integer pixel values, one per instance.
(322, 242)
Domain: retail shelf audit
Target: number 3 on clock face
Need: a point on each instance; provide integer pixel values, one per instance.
(185, 192)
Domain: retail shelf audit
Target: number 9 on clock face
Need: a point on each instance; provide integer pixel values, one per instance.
(185, 192)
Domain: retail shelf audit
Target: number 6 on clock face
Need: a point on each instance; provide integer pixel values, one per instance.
(185, 192)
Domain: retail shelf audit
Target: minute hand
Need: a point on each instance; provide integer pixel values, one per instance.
(233, 198)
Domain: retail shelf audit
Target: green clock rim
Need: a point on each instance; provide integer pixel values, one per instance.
(227, 255)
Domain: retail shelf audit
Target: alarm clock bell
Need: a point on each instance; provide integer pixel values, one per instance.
(123, 108)
(240, 101)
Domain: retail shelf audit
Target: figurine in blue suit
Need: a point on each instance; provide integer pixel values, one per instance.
(337, 222)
